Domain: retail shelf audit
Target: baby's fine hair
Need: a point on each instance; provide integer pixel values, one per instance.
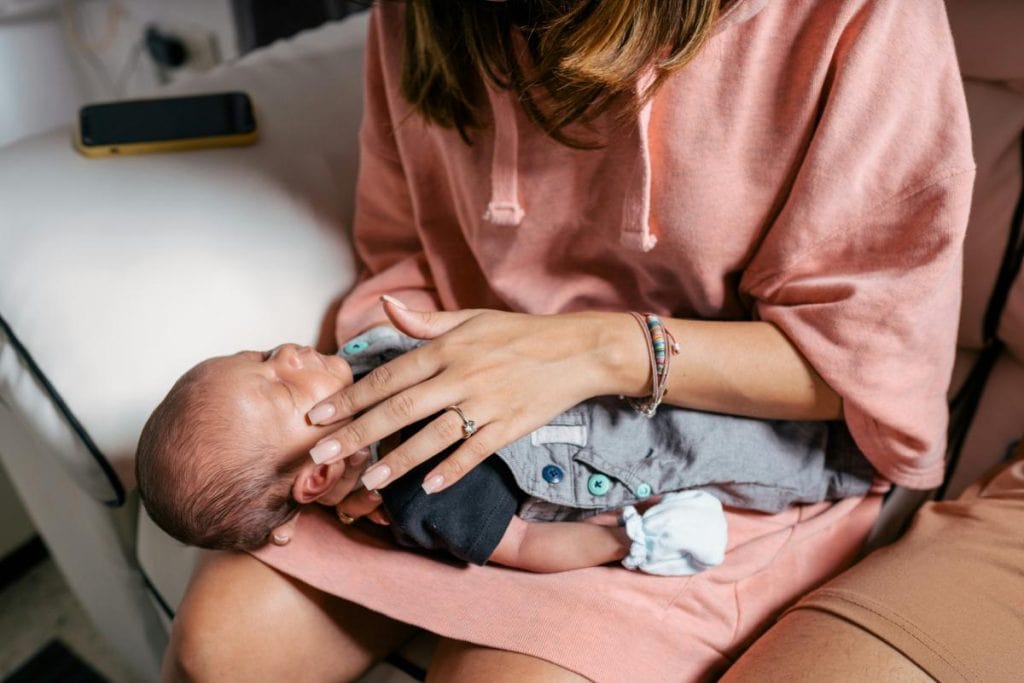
(205, 481)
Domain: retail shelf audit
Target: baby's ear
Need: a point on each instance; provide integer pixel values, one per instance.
(311, 482)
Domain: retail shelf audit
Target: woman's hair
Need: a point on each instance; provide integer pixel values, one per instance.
(206, 481)
(567, 61)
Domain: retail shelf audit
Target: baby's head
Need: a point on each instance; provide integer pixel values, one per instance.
(224, 459)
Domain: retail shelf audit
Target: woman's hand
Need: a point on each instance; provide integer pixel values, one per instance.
(509, 373)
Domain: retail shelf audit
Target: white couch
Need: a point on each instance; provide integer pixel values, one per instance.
(117, 274)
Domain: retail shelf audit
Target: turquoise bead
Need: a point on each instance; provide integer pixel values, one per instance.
(355, 347)
(598, 484)
(643, 490)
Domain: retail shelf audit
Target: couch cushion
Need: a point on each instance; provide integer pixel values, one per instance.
(118, 274)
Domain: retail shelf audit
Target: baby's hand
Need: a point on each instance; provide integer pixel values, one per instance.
(363, 502)
(349, 505)
(349, 479)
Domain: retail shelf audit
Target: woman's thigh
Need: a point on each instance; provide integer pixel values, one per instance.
(807, 645)
(935, 604)
(455, 661)
(241, 620)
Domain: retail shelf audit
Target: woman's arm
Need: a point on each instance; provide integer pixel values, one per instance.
(511, 373)
(745, 368)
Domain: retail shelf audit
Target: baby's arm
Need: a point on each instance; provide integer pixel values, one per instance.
(682, 534)
(559, 546)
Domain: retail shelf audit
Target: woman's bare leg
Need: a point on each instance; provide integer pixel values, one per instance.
(456, 661)
(243, 621)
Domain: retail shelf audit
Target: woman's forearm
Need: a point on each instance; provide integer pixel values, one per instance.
(739, 368)
(512, 372)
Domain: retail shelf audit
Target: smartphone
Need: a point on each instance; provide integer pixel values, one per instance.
(166, 124)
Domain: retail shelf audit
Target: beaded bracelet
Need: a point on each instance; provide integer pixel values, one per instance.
(659, 342)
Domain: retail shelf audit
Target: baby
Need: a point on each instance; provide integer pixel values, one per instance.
(224, 461)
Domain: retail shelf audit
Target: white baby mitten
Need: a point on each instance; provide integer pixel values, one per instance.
(683, 534)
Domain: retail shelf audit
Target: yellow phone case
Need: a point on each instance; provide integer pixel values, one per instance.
(181, 145)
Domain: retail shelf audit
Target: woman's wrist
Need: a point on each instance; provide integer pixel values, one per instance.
(739, 368)
(619, 358)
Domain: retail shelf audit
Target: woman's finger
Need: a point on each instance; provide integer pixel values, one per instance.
(438, 434)
(357, 505)
(389, 417)
(424, 324)
(382, 382)
(471, 453)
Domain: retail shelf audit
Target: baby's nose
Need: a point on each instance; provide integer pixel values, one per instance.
(288, 353)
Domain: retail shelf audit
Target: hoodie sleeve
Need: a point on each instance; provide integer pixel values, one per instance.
(862, 267)
(384, 232)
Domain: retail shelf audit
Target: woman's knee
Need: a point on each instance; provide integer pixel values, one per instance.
(213, 626)
(241, 620)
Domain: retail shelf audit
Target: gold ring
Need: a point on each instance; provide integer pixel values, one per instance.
(345, 518)
(468, 426)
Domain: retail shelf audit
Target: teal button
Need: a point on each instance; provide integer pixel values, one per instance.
(643, 490)
(355, 347)
(598, 484)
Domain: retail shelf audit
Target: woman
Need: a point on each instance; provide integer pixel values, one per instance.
(785, 183)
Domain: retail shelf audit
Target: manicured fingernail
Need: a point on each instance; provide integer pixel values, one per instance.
(375, 495)
(433, 484)
(324, 451)
(320, 413)
(375, 476)
(393, 301)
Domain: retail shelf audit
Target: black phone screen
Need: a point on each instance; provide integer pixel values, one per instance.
(173, 118)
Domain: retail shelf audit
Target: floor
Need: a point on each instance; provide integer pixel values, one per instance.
(37, 608)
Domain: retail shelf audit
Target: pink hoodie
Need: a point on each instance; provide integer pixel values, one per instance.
(812, 167)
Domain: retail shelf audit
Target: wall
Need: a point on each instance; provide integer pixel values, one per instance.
(104, 38)
(81, 51)
(38, 85)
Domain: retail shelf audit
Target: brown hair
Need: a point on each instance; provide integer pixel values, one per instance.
(567, 61)
(211, 492)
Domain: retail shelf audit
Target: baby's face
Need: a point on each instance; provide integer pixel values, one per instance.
(269, 393)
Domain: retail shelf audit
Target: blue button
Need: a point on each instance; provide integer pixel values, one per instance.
(643, 490)
(355, 347)
(552, 474)
(598, 484)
